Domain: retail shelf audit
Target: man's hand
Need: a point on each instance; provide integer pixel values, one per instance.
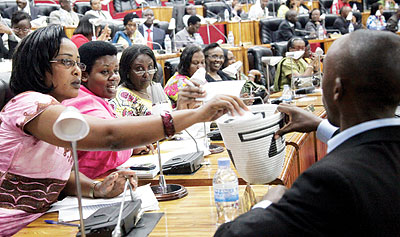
(299, 120)
(5, 29)
(275, 193)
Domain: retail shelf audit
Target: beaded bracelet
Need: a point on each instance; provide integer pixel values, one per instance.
(168, 123)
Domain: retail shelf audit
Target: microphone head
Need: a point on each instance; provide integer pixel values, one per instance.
(319, 51)
(322, 17)
(349, 16)
(71, 125)
(172, 24)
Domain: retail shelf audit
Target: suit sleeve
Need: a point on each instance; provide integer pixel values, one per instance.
(317, 203)
(285, 32)
(341, 27)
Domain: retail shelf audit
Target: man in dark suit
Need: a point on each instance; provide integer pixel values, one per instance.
(342, 24)
(22, 5)
(287, 28)
(354, 190)
(151, 33)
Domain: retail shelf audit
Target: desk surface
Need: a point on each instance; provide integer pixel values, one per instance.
(198, 205)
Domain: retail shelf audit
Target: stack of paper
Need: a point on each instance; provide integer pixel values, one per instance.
(68, 207)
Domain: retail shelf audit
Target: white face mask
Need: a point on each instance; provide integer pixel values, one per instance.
(349, 16)
(378, 13)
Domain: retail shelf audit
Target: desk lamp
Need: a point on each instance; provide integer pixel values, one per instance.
(163, 191)
(70, 126)
(270, 61)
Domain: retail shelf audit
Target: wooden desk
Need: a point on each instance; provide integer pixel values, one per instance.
(193, 215)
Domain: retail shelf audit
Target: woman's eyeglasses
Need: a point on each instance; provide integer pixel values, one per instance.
(216, 57)
(68, 63)
(141, 73)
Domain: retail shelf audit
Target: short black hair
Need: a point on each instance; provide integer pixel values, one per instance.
(209, 47)
(193, 20)
(128, 56)
(374, 8)
(186, 59)
(129, 17)
(31, 60)
(291, 42)
(19, 16)
(85, 27)
(91, 51)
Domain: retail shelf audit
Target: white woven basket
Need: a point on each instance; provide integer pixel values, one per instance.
(257, 156)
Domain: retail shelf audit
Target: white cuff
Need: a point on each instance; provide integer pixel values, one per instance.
(262, 204)
(325, 131)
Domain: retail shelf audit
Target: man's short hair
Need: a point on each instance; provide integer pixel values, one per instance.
(193, 20)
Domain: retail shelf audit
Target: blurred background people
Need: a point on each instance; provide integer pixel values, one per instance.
(22, 5)
(376, 21)
(20, 28)
(214, 56)
(314, 22)
(84, 32)
(189, 34)
(97, 12)
(287, 28)
(342, 24)
(259, 10)
(151, 33)
(130, 35)
(339, 4)
(65, 16)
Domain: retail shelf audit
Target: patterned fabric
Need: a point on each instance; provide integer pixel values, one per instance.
(174, 84)
(121, 38)
(33, 172)
(284, 69)
(127, 103)
(376, 23)
(96, 163)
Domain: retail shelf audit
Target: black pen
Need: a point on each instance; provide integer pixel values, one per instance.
(60, 223)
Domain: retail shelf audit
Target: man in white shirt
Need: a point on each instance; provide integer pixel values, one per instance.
(65, 16)
(354, 190)
(97, 12)
(259, 10)
(189, 34)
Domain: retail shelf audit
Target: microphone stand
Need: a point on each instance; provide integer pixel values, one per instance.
(208, 32)
(240, 32)
(217, 31)
(78, 188)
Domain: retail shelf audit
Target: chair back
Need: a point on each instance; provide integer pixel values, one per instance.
(82, 7)
(170, 67)
(214, 9)
(329, 20)
(5, 93)
(46, 8)
(303, 19)
(269, 29)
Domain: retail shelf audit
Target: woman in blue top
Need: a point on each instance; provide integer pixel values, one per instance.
(130, 35)
(376, 21)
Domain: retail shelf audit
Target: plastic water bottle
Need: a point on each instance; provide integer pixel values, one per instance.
(167, 44)
(351, 27)
(226, 192)
(286, 94)
(354, 7)
(231, 38)
(321, 33)
(226, 15)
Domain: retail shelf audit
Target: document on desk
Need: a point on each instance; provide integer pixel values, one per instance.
(169, 149)
(68, 207)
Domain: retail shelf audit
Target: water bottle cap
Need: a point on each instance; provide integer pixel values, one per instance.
(285, 86)
(224, 162)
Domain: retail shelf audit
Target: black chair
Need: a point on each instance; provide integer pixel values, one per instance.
(269, 29)
(159, 76)
(326, 6)
(279, 48)
(5, 92)
(358, 17)
(124, 5)
(46, 8)
(215, 9)
(82, 7)
(6, 4)
(254, 55)
(329, 20)
(170, 67)
(271, 5)
(388, 13)
(303, 19)
(163, 25)
(370, 2)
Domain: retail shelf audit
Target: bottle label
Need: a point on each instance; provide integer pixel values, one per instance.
(227, 192)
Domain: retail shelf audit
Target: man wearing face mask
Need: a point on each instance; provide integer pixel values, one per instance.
(346, 18)
(189, 35)
(97, 12)
(298, 67)
(65, 16)
(287, 29)
(22, 5)
(151, 33)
